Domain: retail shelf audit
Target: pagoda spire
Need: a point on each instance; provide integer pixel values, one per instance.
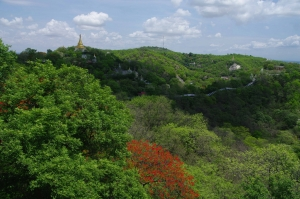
(80, 44)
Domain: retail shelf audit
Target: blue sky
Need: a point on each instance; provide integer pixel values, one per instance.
(269, 29)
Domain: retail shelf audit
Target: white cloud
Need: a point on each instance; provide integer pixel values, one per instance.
(166, 30)
(141, 34)
(291, 41)
(113, 36)
(18, 2)
(182, 13)
(32, 27)
(176, 2)
(267, 27)
(100, 34)
(218, 35)
(256, 44)
(29, 18)
(246, 10)
(16, 22)
(212, 24)
(214, 45)
(143, 38)
(171, 26)
(241, 47)
(56, 29)
(93, 20)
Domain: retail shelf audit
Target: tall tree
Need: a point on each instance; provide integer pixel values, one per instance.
(63, 136)
(161, 172)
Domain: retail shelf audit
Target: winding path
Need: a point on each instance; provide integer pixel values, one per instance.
(229, 88)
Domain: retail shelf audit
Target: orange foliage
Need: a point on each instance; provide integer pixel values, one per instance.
(23, 104)
(162, 172)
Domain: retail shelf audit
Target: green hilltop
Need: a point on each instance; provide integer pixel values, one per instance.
(198, 83)
(187, 72)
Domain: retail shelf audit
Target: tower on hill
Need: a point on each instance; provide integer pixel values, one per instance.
(80, 45)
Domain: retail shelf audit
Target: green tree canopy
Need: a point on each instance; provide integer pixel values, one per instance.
(7, 58)
(63, 136)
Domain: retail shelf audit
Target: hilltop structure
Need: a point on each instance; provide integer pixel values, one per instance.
(80, 45)
(120, 71)
(94, 60)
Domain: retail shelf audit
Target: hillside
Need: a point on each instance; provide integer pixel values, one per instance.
(240, 142)
(158, 71)
(200, 70)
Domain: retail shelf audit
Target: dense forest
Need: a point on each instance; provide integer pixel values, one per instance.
(147, 123)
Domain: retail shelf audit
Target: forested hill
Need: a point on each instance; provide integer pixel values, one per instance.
(269, 105)
(200, 70)
(236, 143)
(181, 72)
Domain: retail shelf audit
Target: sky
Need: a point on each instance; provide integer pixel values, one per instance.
(264, 28)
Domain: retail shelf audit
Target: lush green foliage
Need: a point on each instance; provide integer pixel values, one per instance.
(7, 59)
(240, 142)
(226, 163)
(63, 136)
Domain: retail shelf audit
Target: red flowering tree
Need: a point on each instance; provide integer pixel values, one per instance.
(161, 172)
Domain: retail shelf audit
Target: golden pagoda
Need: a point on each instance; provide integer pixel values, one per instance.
(80, 44)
